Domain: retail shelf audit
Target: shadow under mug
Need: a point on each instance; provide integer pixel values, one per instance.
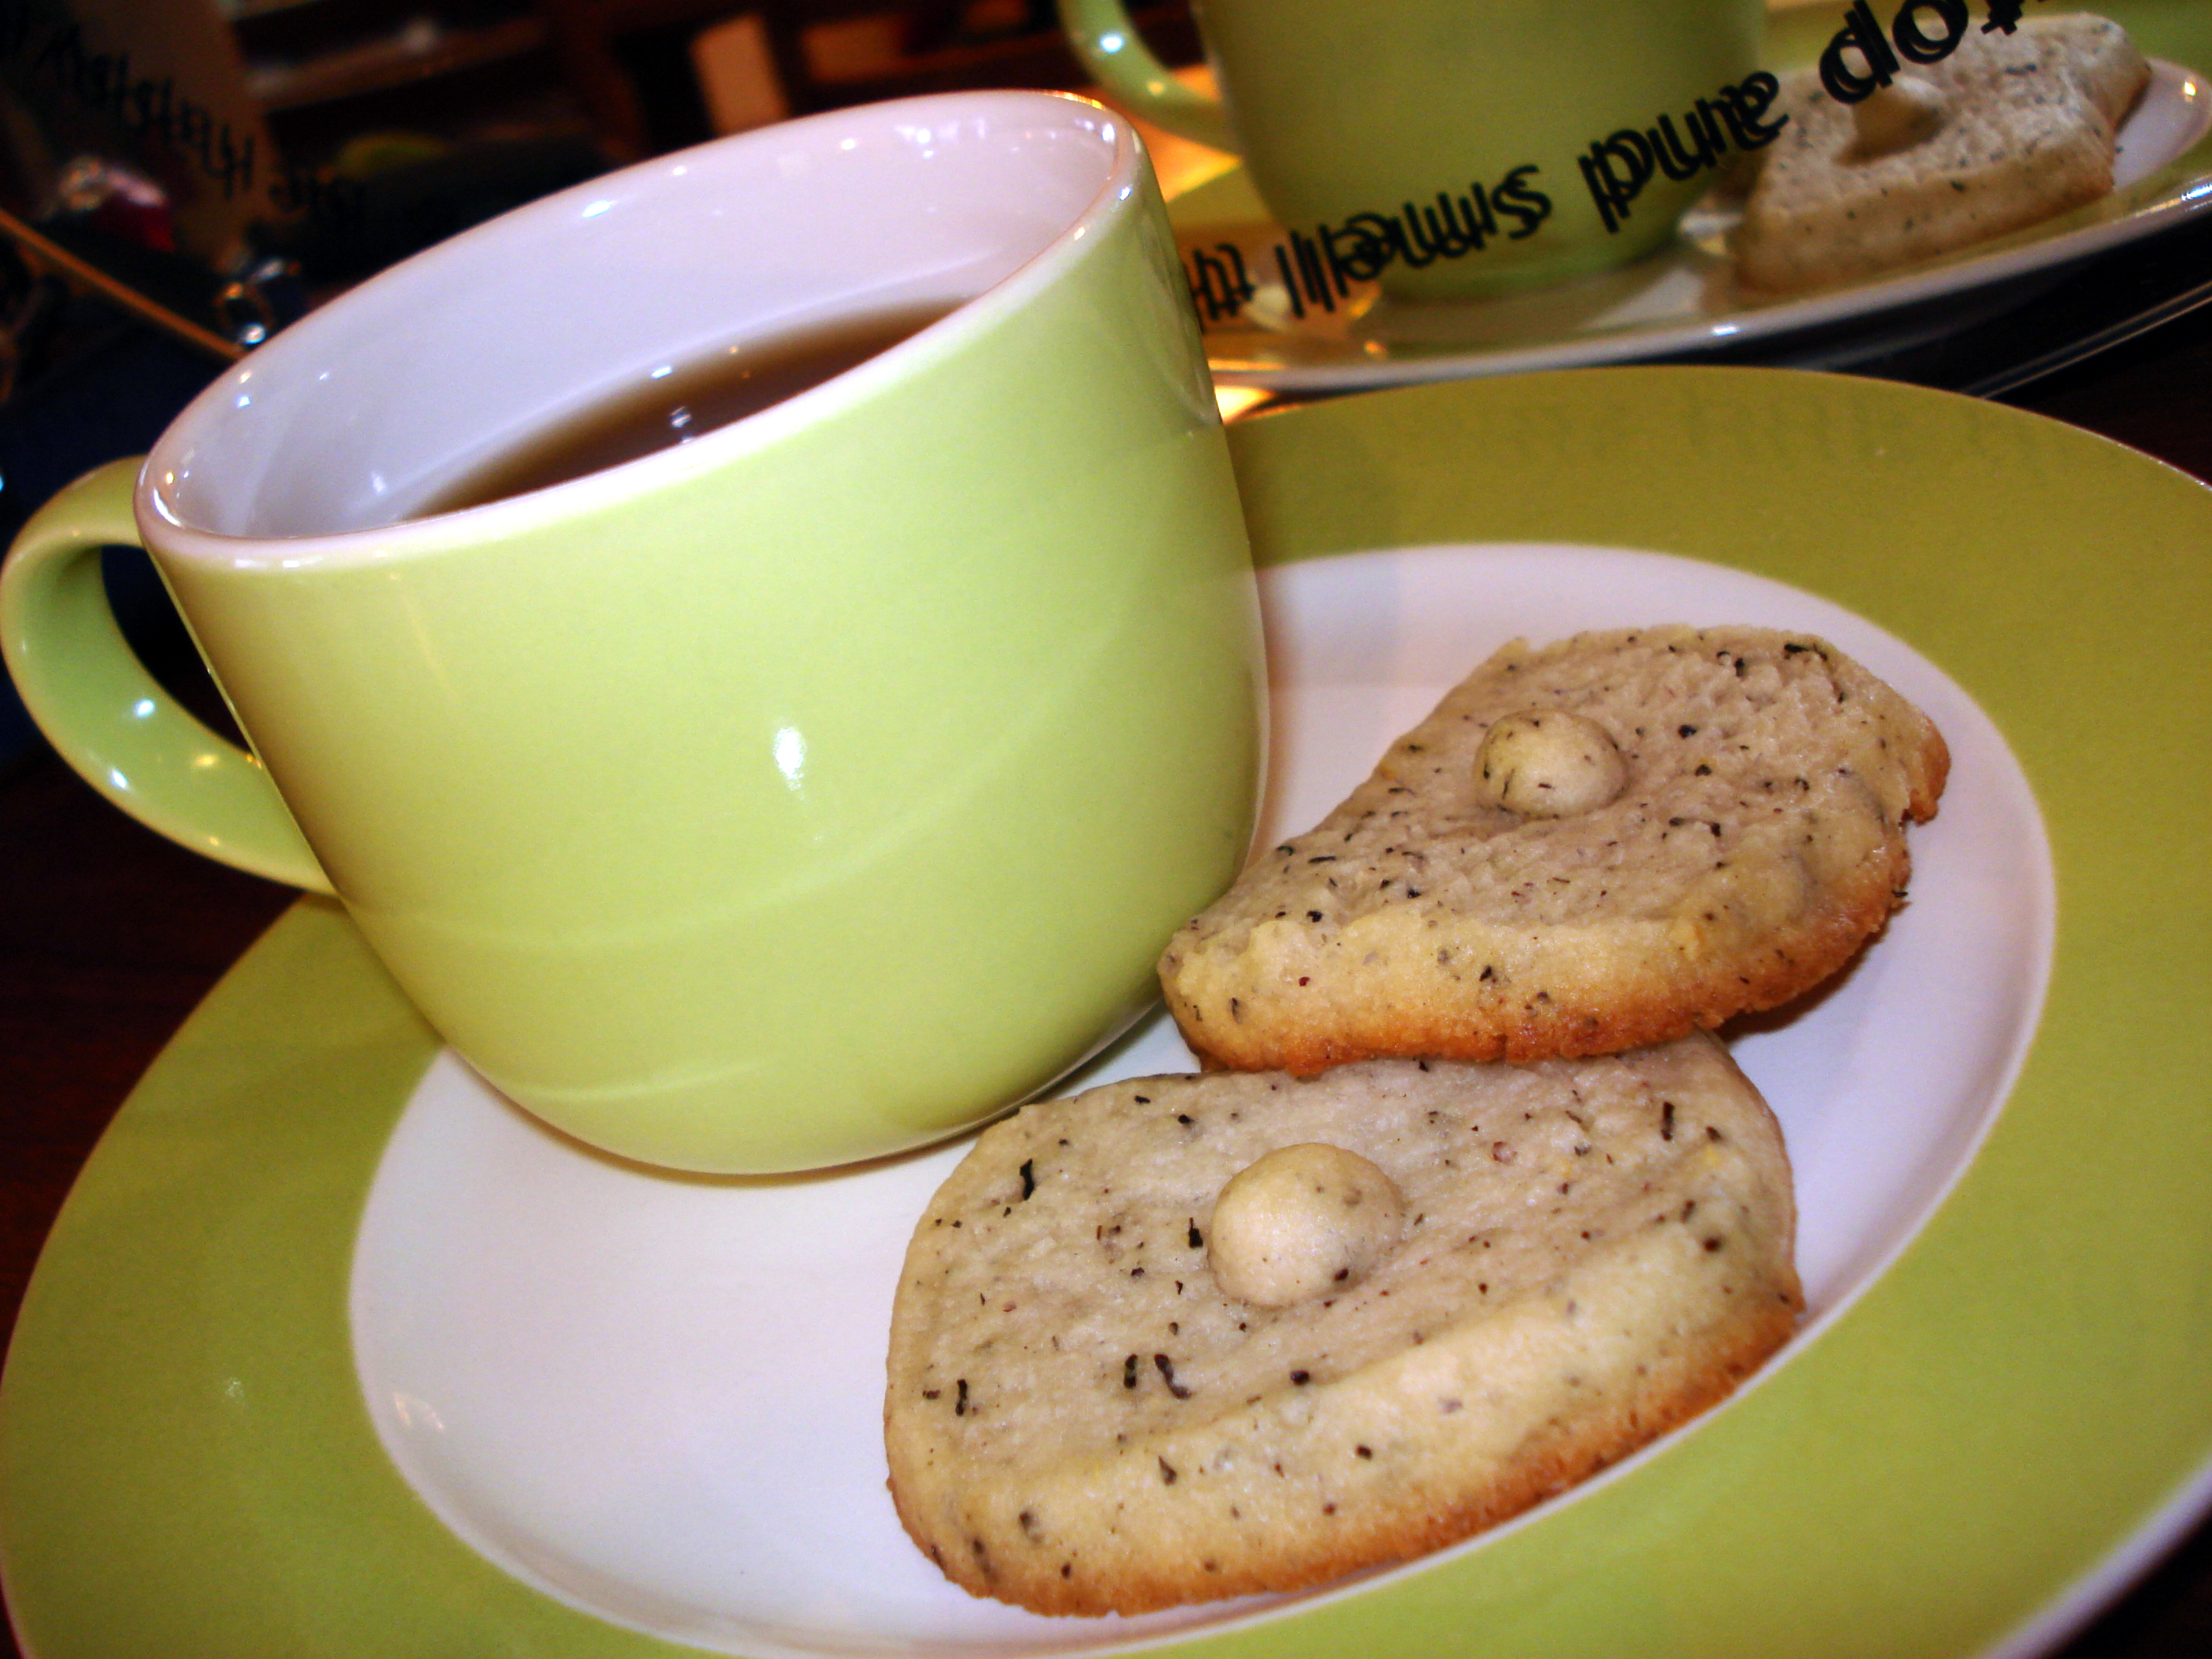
(1449, 147)
(800, 794)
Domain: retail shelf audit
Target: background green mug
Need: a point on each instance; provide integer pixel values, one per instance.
(1454, 147)
(797, 794)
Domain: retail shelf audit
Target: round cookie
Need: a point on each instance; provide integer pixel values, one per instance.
(1080, 1420)
(1756, 841)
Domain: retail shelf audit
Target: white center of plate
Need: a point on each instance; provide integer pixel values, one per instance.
(658, 1398)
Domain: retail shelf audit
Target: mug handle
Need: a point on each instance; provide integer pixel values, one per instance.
(105, 715)
(1115, 53)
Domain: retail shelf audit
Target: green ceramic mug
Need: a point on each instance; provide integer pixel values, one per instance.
(1456, 147)
(797, 794)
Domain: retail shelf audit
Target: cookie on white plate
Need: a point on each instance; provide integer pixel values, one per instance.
(2008, 130)
(1184, 1338)
(1599, 843)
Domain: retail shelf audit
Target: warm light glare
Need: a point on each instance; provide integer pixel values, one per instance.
(1234, 400)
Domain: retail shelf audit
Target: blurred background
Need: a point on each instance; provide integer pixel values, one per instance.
(343, 133)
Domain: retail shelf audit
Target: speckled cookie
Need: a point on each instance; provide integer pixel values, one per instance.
(1739, 799)
(2008, 130)
(1460, 1289)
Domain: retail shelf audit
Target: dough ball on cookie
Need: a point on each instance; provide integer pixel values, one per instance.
(1755, 842)
(1909, 111)
(1299, 1222)
(1548, 764)
(1081, 1418)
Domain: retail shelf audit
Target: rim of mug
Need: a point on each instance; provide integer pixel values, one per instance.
(507, 514)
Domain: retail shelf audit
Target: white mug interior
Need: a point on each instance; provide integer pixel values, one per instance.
(359, 415)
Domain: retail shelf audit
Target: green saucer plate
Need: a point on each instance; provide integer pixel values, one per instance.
(1951, 1468)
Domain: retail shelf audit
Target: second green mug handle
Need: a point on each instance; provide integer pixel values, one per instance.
(106, 716)
(1113, 51)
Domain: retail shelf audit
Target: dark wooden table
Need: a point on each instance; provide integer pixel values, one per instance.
(109, 936)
